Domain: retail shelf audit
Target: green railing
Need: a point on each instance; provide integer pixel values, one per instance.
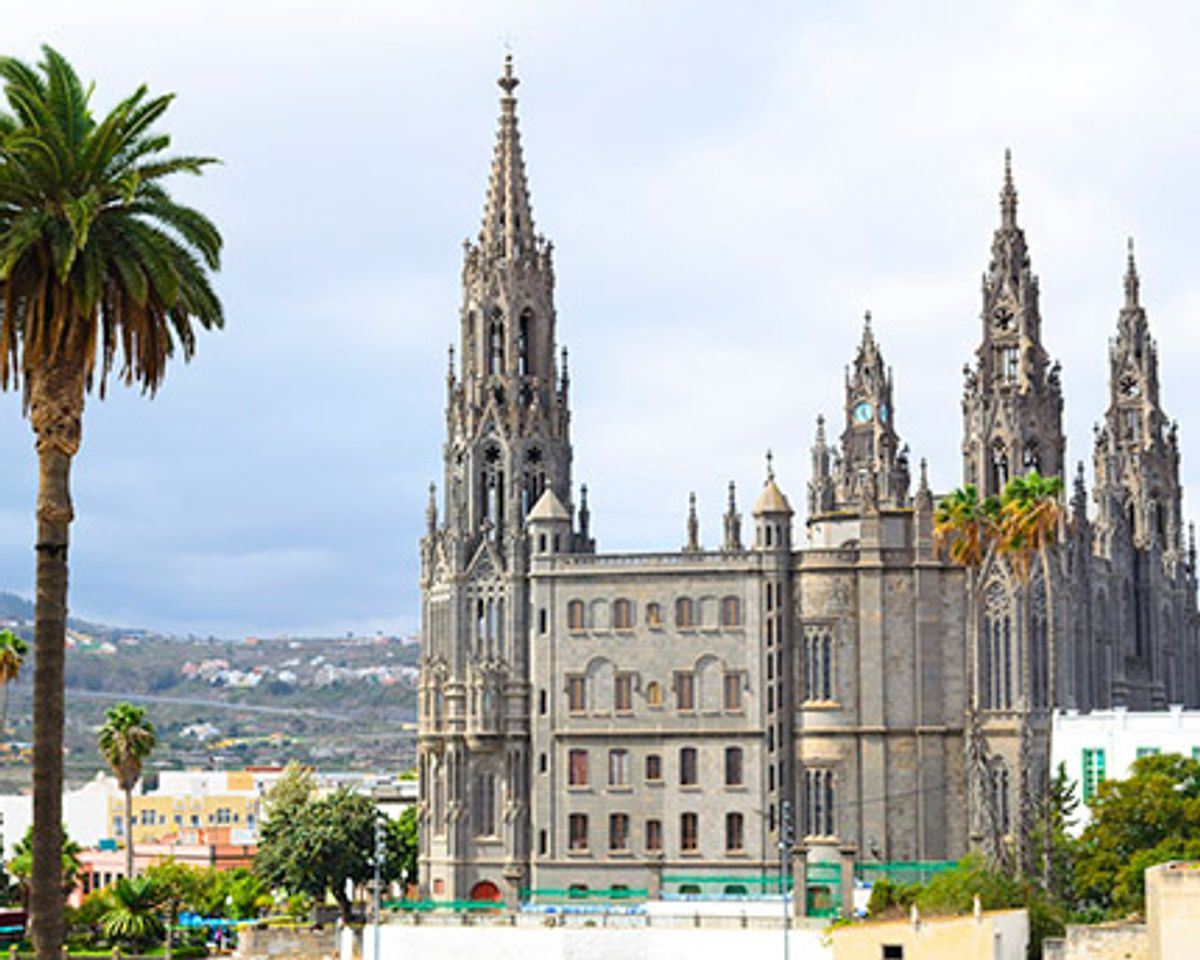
(709, 885)
(457, 906)
(585, 894)
(903, 871)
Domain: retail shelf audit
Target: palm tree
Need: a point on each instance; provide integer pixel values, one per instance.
(967, 530)
(1032, 518)
(132, 915)
(98, 266)
(12, 656)
(125, 740)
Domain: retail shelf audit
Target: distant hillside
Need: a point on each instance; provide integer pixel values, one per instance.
(13, 607)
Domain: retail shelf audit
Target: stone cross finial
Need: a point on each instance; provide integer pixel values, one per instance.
(770, 465)
(508, 82)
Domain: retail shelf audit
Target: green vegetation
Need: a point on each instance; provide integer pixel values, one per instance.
(313, 845)
(12, 656)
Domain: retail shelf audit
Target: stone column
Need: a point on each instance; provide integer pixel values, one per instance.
(654, 891)
(847, 854)
(799, 881)
(513, 876)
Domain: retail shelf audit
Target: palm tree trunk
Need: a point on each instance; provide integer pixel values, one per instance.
(56, 411)
(1051, 700)
(129, 832)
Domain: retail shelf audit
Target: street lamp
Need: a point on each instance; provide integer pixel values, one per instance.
(787, 840)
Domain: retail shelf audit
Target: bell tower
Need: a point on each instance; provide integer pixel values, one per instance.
(1012, 398)
(507, 443)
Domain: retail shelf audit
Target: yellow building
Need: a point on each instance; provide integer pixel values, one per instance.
(195, 807)
(990, 935)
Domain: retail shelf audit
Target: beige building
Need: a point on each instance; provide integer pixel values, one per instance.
(988, 935)
(598, 720)
(1171, 930)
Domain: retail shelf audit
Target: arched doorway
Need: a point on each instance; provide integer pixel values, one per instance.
(486, 890)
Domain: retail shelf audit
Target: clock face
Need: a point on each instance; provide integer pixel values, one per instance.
(863, 412)
(1002, 315)
(1129, 386)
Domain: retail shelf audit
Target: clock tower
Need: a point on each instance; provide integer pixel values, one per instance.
(1012, 398)
(870, 470)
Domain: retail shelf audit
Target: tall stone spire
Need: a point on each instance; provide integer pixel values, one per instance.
(1137, 453)
(507, 215)
(1012, 398)
(507, 448)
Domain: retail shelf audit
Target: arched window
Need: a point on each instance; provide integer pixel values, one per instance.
(495, 345)
(689, 836)
(653, 615)
(818, 663)
(653, 694)
(733, 767)
(524, 329)
(575, 619)
(689, 772)
(999, 466)
(685, 615)
(1031, 458)
(731, 612)
(622, 615)
(734, 834)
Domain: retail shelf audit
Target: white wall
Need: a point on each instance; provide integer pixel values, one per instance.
(1119, 733)
(85, 812)
(407, 942)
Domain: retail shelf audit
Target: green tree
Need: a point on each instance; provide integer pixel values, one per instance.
(21, 865)
(400, 863)
(1055, 818)
(1151, 817)
(13, 651)
(125, 741)
(132, 914)
(178, 886)
(98, 266)
(322, 844)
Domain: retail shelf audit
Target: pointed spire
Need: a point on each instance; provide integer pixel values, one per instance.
(1079, 495)
(1008, 195)
(431, 510)
(507, 216)
(733, 522)
(1132, 282)
(585, 515)
(923, 483)
(693, 526)
(820, 430)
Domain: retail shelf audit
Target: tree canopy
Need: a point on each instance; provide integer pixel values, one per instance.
(1151, 817)
(315, 845)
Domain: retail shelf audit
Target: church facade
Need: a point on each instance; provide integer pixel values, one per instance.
(603, 720)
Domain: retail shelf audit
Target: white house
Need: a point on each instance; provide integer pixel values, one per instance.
(1102, 744)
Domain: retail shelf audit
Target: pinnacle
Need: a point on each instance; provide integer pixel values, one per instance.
(507, 215)
(1008, 194)
(1132, 282)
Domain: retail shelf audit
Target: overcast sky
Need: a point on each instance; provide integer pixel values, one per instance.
(728, 186)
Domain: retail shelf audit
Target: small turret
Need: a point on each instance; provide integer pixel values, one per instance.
(431, 511)
(772, 515)
(549, 525)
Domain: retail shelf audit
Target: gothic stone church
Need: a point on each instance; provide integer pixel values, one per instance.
(594, 719)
